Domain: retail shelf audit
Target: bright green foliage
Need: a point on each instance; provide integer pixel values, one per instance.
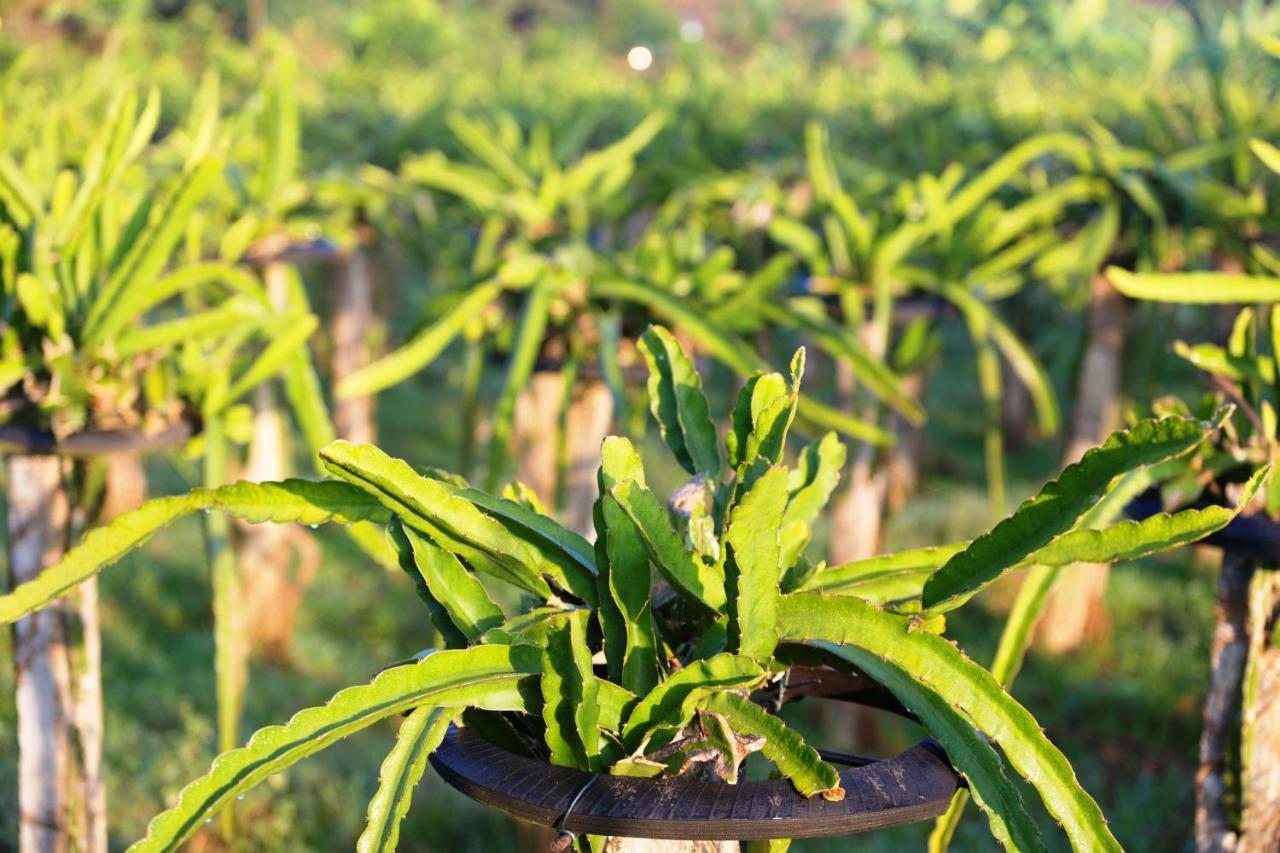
(460, 593)
(625, 612)
(852, 575)
(535, 269)
(431, 507)
(961, 207)
(1057, 507)
(570, 695)
(685, 570)
(1129, 540)
(938, 666)
(537, 212)
(524, 352)
(798, 761)
(874, 374)
(1245, 369)
(546, 265)
(675, 397)
(815, 477)
(558, 543)
(765, 410)
(291, 500)
(966, 747)
(901, 577)
(419, 735)
(811, 484)
(517, 184)
(1096, 538)
(753, 566)
(496, 678)
(732, 352)
(118, 315)
(108, 323)
(1203, 288)
(689, 605)
(947, 235)
(659, 716)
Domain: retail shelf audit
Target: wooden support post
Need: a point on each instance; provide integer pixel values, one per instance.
(1260, 824)
(1228, 652)
(587, 423)
(1076, 609)
(538, 439)
(857, 520)
(125, 489)
(903, 459)
(51, 817)
(352, 323)
(535, 435)
(646, 845)
(277, 561)
(89, 723)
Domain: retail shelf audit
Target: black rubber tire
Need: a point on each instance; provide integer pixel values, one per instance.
(14, 439)
(913, 786)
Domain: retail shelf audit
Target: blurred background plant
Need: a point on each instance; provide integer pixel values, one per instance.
(117, 337)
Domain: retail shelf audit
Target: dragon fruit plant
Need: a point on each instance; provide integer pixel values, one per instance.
(693, 604)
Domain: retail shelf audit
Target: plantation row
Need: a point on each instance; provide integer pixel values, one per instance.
(229, 272)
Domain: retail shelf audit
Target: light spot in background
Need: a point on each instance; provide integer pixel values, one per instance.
(691, 30)
(1164, 47)
(640, 57)
(893, 30)
(996, 44)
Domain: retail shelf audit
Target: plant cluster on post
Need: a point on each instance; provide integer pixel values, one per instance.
(109, 343)
(1132, 226)
(533, 256)
(1218, 474)
(269, 566)
(1238, 784)
(280, 216)
(361, 216)
(1125, 539)
(940, 236)
(252, 218)
(698, 607)
(269, 218)
(544, 287)
(1146, 212)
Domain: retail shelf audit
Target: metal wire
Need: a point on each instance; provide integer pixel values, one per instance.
(565, 838)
